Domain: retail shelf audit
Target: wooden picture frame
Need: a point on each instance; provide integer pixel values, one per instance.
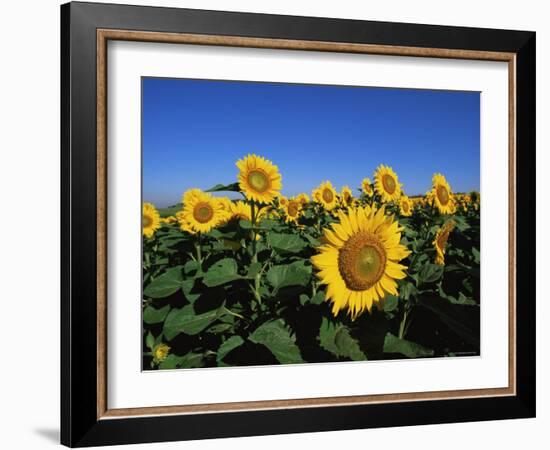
(86, 418)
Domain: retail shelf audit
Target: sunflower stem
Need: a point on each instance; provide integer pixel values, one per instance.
(198, 248)
(402, 325)
(257, 294)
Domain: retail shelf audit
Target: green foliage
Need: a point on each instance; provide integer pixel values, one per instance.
(279, 340)
(247, 294)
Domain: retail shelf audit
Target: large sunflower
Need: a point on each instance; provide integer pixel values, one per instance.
(184, 224)
(293, 210)
(405, 206)
(326, 195)
(259, 178)
(202, 211)
(150, 220)
(440, 241)
(441, 195)
(366, 186)
(387, 184)
(359, 261)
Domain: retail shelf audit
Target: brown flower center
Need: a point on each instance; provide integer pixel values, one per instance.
(328, 196)
(203, 212)
(258, 180)
(389, 183)
(292, 209)
(405, 206)
(442, 194)
(362, 261)
(146, 221)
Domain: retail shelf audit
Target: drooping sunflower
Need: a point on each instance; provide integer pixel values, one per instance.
(440, 241)
(259, 178)
(326, 195)
(202, 211)
(441, 195)
(405, 206)
(366, 186)
(150, 220)
(359, 262)
(387, 184)
(347, 196)
(293, 210)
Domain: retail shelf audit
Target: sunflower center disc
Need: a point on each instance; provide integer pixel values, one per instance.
(362, 261)
(258, 180)
(405, 207)
(328, 196)
(292, 209)
(442, 195)
(146, 221)
(389, 183)
(203, 212)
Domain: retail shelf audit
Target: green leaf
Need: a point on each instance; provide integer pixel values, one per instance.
(390, 303)
(285, 243)
(233, 187)
(165, 285)
(191, 266)
(475, 252)
(318, 298)
(232, 343)
(336, 339)
(278, 339)
(221, 272)
(150, 341)
(314, 242)
(186, 287)
(295, 274)
(185, 320)
(409, 349)
(253, 270)
(152, 315)
(430, 273)
(182, 362)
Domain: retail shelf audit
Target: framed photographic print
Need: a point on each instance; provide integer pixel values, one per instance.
(277, 224)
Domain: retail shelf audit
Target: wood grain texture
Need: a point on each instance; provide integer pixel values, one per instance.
(103, 35)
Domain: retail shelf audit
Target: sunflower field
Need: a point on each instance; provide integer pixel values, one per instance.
(361, 274)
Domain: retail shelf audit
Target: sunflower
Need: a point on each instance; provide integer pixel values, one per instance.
(283, 201)
(184, 223)
(405, 206)
(150, 220)
(366, 186)
(347, 196)
(441, 195)
(160, 352)
(303, 198)
(440, 241)
(202, 211)
(259, 178)
(387, 184)
(359, 261)
(326, 195)
(293, 210)
(168, 220)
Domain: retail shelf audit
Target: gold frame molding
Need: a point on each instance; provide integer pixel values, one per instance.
(103, 36)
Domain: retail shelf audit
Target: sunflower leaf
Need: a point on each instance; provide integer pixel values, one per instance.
(221, 272)
(295, 274)
(285, 243)
(336, 339)
(430, 273)
(278, 339)
(186, 361)
(185, 320)
(393, 344)
(152, 315)
(165, 285)
(232, 343)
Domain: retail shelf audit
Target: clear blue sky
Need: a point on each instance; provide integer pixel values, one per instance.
(195, 130)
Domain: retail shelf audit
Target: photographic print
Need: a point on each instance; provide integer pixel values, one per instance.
(299, 223)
